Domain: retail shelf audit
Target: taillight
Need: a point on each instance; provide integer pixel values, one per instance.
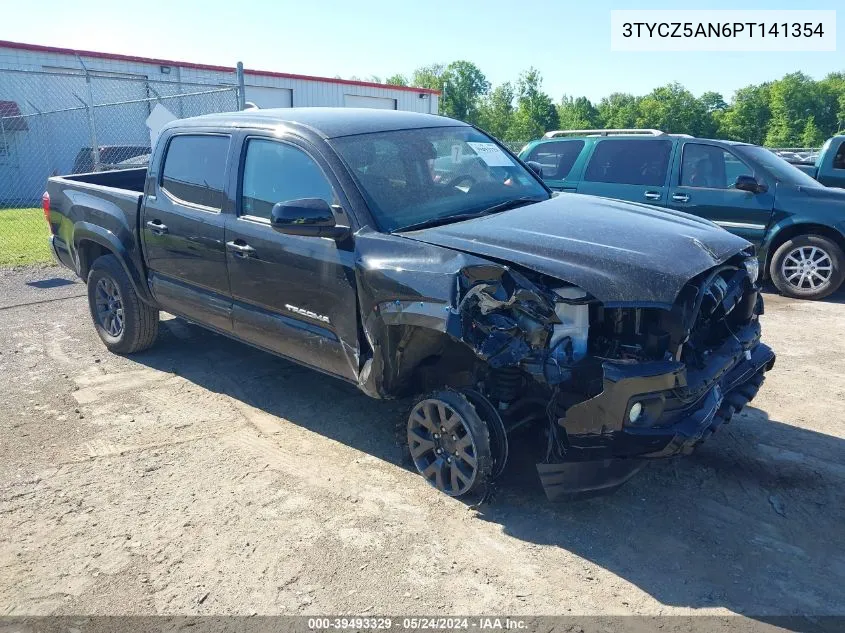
(45, 204)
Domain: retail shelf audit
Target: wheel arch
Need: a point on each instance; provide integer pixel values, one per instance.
(91, 242)
(790, 231)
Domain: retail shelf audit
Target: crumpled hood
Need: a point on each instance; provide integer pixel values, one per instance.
(619, 252)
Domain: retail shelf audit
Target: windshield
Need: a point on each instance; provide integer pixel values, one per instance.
(777, 167)
(413, 177)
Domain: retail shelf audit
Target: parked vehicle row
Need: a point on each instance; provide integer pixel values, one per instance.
(796, 223)
(413, 254)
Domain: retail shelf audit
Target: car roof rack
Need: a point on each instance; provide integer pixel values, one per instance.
(620, 132)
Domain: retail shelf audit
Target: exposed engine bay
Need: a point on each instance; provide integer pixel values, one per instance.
(604, 380)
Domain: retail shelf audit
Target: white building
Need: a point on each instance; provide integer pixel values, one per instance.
(56, 102)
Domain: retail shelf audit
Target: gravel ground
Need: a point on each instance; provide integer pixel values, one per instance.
(205, 477)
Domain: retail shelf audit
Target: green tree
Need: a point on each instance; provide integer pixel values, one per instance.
(812, 135)
(397, 80)
(463, 86)
(618, 110)
(535, 111)
(430, 77)
(793, 99)
(713, 101)
(577, 114)
(672, 108)
(747, 118)
(495, 112)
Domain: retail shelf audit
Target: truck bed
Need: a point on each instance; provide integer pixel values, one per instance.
(100, 207)
(129, 179)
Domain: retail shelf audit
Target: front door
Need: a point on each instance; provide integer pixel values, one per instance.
(704, 186)
(293, 295)
(182, 230)
(629, 169)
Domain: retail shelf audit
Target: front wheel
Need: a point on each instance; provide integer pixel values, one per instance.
(450, 443)
(124, 323)
(808, 267)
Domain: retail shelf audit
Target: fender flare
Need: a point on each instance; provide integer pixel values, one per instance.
(86, 231)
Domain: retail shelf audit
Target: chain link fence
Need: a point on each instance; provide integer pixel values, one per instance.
(56, 123)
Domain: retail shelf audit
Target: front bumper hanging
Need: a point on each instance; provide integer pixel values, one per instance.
(680, 409)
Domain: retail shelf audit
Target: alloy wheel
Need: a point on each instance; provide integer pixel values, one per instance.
(109, 307)
(807, 268)
(442, 447)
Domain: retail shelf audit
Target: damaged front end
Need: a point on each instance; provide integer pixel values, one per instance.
(611, 384)
(615, 386)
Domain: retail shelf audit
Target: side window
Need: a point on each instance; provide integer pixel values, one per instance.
(839, 159)
(195, 169)
(709, 167)
(276, 172)
(556, 157)
(630, 162)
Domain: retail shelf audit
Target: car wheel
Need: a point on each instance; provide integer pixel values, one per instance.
(449, 443)
(124, 323)
(808, 267)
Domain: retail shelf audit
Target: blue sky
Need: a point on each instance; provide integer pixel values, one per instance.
(567, 41)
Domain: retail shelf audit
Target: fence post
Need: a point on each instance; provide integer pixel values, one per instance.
(241, 87)
(89, 108)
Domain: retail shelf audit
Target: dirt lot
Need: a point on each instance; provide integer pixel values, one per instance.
(206, 477)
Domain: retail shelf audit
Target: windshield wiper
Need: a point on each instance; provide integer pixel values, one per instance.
(460, 217)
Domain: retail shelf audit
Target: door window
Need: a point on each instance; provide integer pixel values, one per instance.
(277, 172)
(195, 169)
(706, 166)
(556, 157)
(839, 159)
(630, 162)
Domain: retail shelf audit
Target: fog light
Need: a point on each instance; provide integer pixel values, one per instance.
(634, 413)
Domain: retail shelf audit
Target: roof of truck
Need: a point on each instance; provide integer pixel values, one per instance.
(327, 122)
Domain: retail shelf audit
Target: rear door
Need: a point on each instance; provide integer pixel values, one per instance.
(559, 159)
(293, 295)
(629, 169)
(703, 184)
(182, 230)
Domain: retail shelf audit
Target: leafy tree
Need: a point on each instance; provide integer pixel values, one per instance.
(812, 136)
(535, 111)
(713, 102)
(672, 108)
(463, 86)
(397, 80)
(793, 99)
(495, 112)
(747, 119)
(618, 110)
(430, 77)
(577, 114)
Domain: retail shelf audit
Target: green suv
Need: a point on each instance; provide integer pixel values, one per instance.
(796, 223)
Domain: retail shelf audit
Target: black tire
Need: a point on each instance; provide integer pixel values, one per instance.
(470, 469)
(123, 322)
(785, 263)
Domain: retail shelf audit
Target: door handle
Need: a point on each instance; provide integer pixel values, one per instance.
(680, 197)
(652, 195)
(240, 249)
(157, 227)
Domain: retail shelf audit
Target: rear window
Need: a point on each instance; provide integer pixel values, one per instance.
(630, 162)
(195, 169)
(556, 157)
(839, 159)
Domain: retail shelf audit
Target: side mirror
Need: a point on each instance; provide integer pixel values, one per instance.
(311, 217)
(750, 183)
(536, 167)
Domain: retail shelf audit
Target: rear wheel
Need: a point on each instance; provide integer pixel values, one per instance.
(124, 323)
(808, 267)
(449, 443)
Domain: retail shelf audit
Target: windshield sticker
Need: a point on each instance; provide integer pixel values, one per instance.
(491, 154)
(456, 153)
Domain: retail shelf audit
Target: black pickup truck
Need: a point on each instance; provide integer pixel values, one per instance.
(413, 254)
